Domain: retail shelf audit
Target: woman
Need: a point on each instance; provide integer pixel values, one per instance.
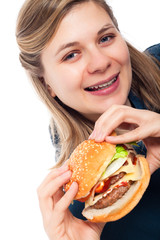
(92, 81)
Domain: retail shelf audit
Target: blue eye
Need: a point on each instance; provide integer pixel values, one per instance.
(70, 56)
(106, 39)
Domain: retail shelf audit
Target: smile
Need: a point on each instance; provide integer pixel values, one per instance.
(102, 86)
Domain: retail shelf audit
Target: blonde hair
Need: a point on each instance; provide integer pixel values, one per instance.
(37, 23)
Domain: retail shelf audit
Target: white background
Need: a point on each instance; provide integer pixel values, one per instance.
(26, 152)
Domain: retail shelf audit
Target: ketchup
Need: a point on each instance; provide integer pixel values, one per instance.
(121, 184)
(124, 184)
(134, 160)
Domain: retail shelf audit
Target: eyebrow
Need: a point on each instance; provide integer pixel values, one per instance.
(105, 28)
(73, 44)
(67, 45)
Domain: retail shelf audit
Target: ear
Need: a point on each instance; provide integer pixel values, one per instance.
(49, 89)
(51, 92)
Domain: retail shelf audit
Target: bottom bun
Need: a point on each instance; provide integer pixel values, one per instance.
(124, 205)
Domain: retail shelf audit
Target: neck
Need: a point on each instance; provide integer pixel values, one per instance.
(127, 103)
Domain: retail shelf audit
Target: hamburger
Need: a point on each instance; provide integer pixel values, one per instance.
(111, 178)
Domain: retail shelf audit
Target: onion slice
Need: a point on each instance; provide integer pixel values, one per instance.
(113, 167)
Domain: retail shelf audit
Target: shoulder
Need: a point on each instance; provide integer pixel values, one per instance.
(154, 51)
(55, 138)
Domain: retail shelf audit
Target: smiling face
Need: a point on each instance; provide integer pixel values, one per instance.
(87, 63)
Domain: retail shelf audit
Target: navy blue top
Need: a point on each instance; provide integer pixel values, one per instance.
(143, 222)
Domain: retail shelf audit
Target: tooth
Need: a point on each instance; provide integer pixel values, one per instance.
(103, 85)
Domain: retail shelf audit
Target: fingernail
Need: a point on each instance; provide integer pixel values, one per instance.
(64, 167)
(74, 185)
(65, 163)
(67, 174)
(99, 137)
(92, 136)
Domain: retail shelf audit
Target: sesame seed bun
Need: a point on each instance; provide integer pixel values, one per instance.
(124, 205)
(87, 163)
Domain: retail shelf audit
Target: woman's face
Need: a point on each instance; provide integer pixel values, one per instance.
(87, 64)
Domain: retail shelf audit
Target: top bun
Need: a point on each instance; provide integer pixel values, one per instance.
(87, 163)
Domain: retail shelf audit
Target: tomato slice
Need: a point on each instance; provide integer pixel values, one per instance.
(100, 187)
(103, 186)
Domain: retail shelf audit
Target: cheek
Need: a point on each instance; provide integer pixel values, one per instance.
(123, 55)
(123, 58)
(119, 52)
(125, 62)
(64, 80)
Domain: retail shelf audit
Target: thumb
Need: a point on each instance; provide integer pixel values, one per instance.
(97, 227)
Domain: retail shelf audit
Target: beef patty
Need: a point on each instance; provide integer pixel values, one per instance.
(113, 196)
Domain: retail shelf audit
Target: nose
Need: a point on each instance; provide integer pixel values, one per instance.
(98, 61)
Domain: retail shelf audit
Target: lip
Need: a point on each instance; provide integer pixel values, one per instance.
(106, 91)
(104, 81)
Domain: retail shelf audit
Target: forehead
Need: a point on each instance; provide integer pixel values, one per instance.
(83, 16)
(81, 24)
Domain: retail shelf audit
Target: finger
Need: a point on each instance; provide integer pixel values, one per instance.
(107, 123)
(47, 193)
(66, 200)
(98, 227)
(54, 173)
(154, 163)
(52, 187)
(131, 136)
(58, 195)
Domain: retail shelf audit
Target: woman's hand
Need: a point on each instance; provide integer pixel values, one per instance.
(142, 125)
(58, 221)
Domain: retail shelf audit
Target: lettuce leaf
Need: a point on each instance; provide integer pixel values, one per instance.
(120, 153)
